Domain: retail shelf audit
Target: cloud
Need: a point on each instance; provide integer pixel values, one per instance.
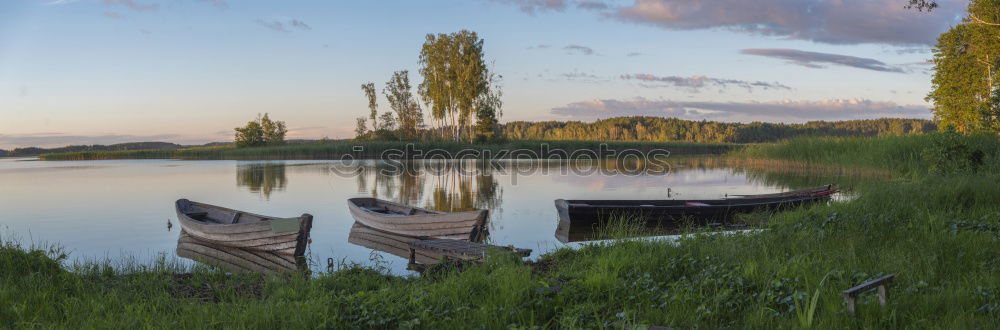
(775, 111)
(113, 15)
(913, 50)
(218, 3)
(303, 132)
(592, 5)
(539, 47)
(835, 22)
(817, 60)
(582, 76)
(633, 54)
(300, 24)
(59, 2)
(696, 83)
(132, 4)
(283, 25)
(579, 49)
(534, 6)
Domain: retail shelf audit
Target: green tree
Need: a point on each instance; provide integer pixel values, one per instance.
(965, 70)
(489, 109)
(408, 113)
(261, 131)
(361, 129)
(455, 76)
(369, 89)
(274, 131)
(251, 135)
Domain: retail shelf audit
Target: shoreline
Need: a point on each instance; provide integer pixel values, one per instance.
(362, 150)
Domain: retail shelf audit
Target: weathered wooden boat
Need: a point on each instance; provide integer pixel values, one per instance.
(232, 228)
(671, 211)
(417, 222)
(237, 259)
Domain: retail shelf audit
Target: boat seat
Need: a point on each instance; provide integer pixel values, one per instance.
(236, 217)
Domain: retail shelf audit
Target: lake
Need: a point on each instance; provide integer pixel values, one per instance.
(121, 208)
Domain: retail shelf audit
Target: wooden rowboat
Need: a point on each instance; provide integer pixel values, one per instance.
(237, 259)
(232, 228)
(417, 222)
(667, 212)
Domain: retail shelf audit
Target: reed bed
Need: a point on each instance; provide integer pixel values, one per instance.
(374, 149)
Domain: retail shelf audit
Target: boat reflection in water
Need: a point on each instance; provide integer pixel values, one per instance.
(236, 259)
(566, 232)
(395, 244)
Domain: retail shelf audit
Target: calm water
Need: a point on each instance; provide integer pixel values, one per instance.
(120, 208)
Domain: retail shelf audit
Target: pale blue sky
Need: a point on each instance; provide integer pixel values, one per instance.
(104, 71)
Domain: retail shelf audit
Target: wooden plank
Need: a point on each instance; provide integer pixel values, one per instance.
(463, 250)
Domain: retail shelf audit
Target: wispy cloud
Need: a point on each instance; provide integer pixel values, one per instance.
(696, 83)
(777, 111)
(113, 15)
(543, 46)
(218, 3)
(59, 2)
(582, 76)
(132, 4)
(836, 22)
(283, 25)
(820, 60)
(592, 5)
(578, 49)
(299, 24)
(534, 6)
(632, 54)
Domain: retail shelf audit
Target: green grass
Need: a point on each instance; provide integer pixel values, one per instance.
(938, 233)
(373, 149)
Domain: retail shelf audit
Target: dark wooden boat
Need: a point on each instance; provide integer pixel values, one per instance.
(237, 259)
(671, 211)
(232, 228)
(417, 222)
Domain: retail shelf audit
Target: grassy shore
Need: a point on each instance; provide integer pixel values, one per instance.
(373, 149)
(938, 232)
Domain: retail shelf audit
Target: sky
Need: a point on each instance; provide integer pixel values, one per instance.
(189, 71)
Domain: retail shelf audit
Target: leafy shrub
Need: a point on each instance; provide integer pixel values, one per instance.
(260, 132)
(951, 152)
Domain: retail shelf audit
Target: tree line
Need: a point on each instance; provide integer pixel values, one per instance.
(462, 94)
(662, 129)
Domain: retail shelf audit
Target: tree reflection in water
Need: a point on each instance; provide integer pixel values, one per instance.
(262, 178)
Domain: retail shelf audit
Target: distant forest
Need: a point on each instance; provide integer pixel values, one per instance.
(679, 130)
(33, 151)
(651, 129)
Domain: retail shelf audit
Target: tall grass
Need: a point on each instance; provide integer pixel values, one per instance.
(904, 154)
(373, 149)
